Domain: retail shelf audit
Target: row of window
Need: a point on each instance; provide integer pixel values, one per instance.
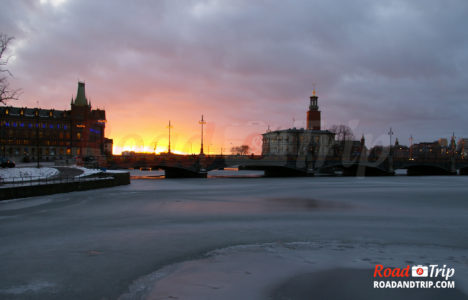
(36, 112)
(32, 142)
(32, 134)
(33, 125)
(42, 151)
(41, 126)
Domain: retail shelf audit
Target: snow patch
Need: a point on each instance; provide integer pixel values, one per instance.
(25, 174)
(87, 172)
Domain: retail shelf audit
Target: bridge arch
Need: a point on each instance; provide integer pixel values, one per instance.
(179, 172)
(426, 169)
(275, 171)
(355, 169)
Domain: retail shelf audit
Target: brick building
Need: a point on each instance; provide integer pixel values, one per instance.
(28, 134)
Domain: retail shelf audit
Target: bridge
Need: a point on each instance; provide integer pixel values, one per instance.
(177, 166)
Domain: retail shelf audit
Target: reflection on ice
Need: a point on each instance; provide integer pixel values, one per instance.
(298, 270)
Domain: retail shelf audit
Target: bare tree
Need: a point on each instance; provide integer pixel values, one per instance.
(342, 132)
(240, 150)
(6, 93)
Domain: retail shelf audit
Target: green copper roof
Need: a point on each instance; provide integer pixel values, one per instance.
(80, 99)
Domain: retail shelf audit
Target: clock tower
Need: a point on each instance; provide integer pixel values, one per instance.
(313, 115)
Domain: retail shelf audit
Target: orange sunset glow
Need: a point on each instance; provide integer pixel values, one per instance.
(147, 131)
(175, 61)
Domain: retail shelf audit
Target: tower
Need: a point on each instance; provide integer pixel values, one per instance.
(313, 115)
(80, 99)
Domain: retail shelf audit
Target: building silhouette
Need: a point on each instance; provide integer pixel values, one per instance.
(30, 134)
(311, 141)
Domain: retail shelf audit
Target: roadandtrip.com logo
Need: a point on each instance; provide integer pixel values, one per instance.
(419, 276)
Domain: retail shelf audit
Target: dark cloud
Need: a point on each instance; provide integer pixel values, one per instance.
(376, 64)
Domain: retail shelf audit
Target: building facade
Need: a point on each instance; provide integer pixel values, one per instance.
(311, 141)
(30, 134)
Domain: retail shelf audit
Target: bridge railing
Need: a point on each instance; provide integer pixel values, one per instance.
(39, 180)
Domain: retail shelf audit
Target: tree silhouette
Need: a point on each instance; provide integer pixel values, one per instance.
(342, 132)
(6, 93)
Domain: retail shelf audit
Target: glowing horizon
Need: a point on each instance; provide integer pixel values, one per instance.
(171, 60)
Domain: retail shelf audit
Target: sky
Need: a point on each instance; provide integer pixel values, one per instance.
(245, 65)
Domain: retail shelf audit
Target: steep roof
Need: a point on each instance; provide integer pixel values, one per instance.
(80, 99)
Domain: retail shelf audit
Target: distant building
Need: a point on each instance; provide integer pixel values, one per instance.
(311, 140)
(400, 151)
(108, 146)
(350, 149)
(29, 134)
(462, 147)
(443, 142)
(431, 150)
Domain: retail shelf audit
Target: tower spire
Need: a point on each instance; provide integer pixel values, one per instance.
(80, 99)
(313, 115)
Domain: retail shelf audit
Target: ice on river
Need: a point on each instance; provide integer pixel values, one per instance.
(228, 238)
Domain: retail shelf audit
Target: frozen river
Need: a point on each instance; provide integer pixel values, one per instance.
(231, 238)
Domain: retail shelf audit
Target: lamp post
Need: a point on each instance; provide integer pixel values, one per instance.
(37, 137)
(411, 148)
(201, 122)
(169, 146)
(390, 133)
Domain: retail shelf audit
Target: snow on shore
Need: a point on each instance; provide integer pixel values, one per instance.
(87, 172)
(17, 174)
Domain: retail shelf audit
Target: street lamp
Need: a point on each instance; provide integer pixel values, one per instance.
(37, 137)
(169, 146)
(201, 122)
(411, 148)
(390, 133)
